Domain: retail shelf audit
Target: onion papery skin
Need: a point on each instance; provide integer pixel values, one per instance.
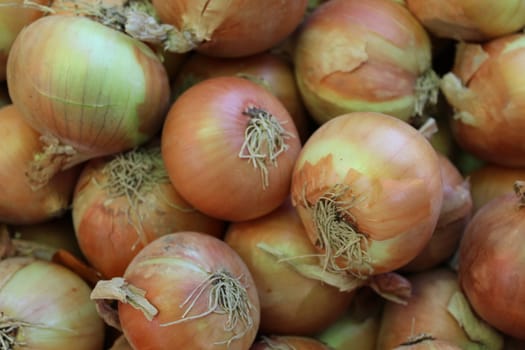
(74, 7)
(491, 180)
(89, 86)
(232, 28)
(201, 140)
(270, 70)
(54, 300)
(425, 313)
(469, 20)
(390, 183)
(354, 56)
(14, 17)
(288, 342)
(19, 204)
(485, 90)
(111, 228)
(491, 258)
(169, 269)
(284, 292)
(456, 211)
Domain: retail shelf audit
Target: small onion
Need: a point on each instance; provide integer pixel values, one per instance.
(185, 290)
(47, 307)
(88, 89)
(485, 90)
(469, 20)
(282, 287)
(288, 342)
(270, 70)
(491, 255)
(368, 189)
(229, 28)
(354, 56)
(491, 180)
(19, 203)
(439, 310)
(123, 202)
(229, 146)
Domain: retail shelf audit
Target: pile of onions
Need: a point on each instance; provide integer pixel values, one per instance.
(13, 17)
(46, 306)
(270, 70)
(491, 255)
(490, 181)
(184, 290)
(19, 203)
(228, 28)
(282, 261)
(288, 342)
(88, 89)
(485, 90)
(122, 202)
(437, 309)
(354, 55)
(367, 187)
(469, 20)
(229, 147)
(455, 214)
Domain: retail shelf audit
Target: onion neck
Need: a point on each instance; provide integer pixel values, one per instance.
(9, 329)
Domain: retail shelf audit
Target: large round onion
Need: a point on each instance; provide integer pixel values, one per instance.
(229, 28)
(88, 89)
(485, 88)
(491, 258)
(368, 189)
(355, 55)
(469, 20)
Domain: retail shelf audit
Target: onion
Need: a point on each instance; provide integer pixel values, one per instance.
(125, 201)
(229, 147)
(436, 309)
(228, 28)
(288, 342)
(13, 17)
(425, 342)
(354, 56)
(283, 283)
(88, 89)
(185, 290)
(485, 90)
(368, 189)
(456, 211)
(270, 70)
(19, 203)
(45, 306)
(469, 20)
(490, 263)
(490, 181)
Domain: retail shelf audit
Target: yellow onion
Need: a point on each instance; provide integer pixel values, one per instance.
(88, 89)
(228, 28)
(354, 55)
(485, 89)
(19, 203)
(47, 307)
(368, 189)
(13, 17)
(469, 20)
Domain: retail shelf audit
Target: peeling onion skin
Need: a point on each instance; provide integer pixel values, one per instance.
(491, 258)
(354, 55)
(52, 297)
(469, 20)
(485, 88)
(19, 204)
(169, 269)
(92, 87)
(394, 188)
(233, 28)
